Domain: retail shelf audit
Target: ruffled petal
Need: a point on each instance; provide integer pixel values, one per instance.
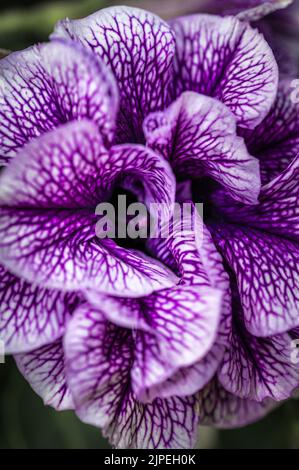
(70, 168)
(48, 222)
(226, 59)
(48, 85)
(99, 357)
(179, 328)
(275, 142)
(44, 369)
(138, 47)
(198, 135)
(277, 211)
(266, 269)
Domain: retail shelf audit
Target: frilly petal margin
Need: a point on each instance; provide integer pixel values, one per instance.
(44, 369)
(99, 356)
(138, 47)
(160, 371)
(173, 328)
(198, 136)
(227, 59)
(50, 84)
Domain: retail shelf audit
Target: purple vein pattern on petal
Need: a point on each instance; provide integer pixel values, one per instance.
(162, 356)
(48, 226)
(48, 85)
(44, 370)
(56, 249)
(257, 368)
(31, 316)
(99, 357)
(226, 59)
(217, 407)
(266, 269)
(277, 211)
(139, 48)
(70, 168)
(178, 326)
(275, 142)
(198, 135)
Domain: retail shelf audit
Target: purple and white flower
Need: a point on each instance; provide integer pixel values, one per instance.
(147, 344)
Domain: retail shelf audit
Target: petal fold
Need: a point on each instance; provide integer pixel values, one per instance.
(99, 357)
(226, 59)
(198, 135)
(138, 47)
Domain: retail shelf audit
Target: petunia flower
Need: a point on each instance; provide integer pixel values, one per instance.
(147, 345)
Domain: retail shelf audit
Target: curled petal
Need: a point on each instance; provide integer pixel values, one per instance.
(198, 135)
(48, 85)
(70, 168)
(261, 8)
(183, 320)
(99, 356)
(44, 370)
(139, 48)
(226, 59)
(153, 377)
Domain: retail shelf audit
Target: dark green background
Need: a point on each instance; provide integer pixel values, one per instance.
(24, 421)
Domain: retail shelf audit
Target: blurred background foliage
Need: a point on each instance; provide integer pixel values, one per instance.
(24, 421)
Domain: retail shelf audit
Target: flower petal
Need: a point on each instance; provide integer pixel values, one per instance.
(154, 377)
(30, 316)
(219, 408)
(164, 347)
(70, 168)
(57, 250)
(226, 59)
(277, 211)
(48, 85)
(266, 268)
(44, 370)
(261, 8)
(47, 220)
(258, 368)
(198, 135)
(183, 320)
(138, 47)
(99, 357)
(275, 142)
